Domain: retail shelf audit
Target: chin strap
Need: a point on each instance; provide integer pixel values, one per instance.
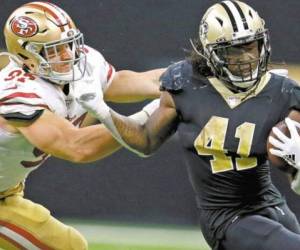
(197, 51)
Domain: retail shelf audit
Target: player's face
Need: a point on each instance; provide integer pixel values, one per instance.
(242, 59)
(60, 58)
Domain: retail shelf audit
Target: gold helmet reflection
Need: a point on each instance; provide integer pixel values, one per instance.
(233, 23)
(33, 29)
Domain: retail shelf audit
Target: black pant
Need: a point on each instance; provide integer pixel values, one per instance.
(273, 228)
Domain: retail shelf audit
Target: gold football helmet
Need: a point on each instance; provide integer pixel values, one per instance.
(37, 29)
(235, 43)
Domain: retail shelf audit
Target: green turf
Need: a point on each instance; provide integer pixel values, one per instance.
(125, 247)
(103, 236)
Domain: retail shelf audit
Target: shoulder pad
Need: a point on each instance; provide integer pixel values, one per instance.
(287, 83)
(290, 91)
(281, 72)
(176, 76)
(99, 68)
(93, 53)
(283, 81)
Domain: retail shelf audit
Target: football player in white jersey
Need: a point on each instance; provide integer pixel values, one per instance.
(39, 117)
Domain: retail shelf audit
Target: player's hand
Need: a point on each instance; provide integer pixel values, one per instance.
(287, 148)
(90, 96)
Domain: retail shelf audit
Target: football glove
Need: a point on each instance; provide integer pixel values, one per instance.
(288, 149)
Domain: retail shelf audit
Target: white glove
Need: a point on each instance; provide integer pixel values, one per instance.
(287, 148)
(90, 96)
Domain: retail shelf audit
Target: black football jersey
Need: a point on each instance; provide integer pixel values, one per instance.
(224, 136)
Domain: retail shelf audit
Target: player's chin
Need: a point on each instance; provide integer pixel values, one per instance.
(62, 69)
(243, 75)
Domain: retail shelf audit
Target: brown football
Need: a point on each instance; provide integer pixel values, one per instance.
(275, 160)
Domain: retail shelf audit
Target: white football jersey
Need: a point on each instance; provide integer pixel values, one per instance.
(24, 94)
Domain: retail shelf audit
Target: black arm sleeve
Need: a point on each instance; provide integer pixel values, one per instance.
(22, 117)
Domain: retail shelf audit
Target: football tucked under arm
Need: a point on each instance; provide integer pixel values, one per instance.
(284, 147)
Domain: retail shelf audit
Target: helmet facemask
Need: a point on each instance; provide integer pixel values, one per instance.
(51, 64)
(240, 63)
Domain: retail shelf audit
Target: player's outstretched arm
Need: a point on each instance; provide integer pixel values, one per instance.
(56, 136)
(130, 86)
(141, 139)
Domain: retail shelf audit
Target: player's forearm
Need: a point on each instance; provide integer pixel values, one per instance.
(83, 145)
(94, 143)
(133, 133)
(144, 139)
(130, 86)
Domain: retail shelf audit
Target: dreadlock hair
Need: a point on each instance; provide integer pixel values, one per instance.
(198, 62)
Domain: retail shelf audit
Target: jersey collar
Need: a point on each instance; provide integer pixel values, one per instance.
(234, 99)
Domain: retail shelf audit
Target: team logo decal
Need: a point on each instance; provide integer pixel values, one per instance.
(24, 26)
(203, 30)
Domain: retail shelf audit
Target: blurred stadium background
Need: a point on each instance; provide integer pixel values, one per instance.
(127, 203)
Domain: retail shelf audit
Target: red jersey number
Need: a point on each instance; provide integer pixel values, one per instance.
(19, 75)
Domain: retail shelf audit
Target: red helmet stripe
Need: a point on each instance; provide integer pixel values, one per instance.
(48, 10)
(62, 12)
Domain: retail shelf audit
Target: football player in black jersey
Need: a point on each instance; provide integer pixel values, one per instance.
(223, 102)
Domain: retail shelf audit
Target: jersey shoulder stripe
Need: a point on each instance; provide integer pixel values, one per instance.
(12, 101)
(16, 95)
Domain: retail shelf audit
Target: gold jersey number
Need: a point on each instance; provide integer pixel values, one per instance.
(211, 141)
